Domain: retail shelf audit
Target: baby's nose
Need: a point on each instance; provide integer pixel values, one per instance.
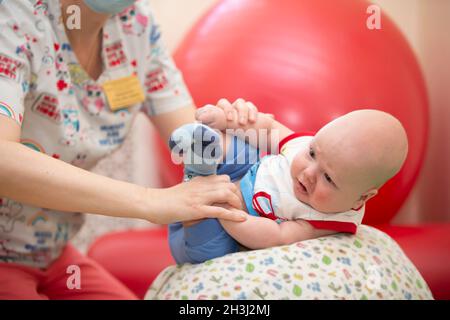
(311, 173)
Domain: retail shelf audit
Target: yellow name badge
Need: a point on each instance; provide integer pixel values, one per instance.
(123, 92)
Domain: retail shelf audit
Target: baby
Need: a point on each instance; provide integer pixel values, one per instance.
(317, 185)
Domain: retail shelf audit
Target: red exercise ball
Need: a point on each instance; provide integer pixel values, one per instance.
(309, 62)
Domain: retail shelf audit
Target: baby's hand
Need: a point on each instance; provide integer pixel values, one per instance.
(212, 116)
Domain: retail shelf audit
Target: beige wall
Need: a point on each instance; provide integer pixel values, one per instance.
(426, 24)
(177, 16)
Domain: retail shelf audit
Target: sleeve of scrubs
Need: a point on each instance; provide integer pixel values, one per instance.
(16, 56)
(164, 85)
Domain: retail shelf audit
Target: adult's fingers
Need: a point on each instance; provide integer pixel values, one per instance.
(224, 183)
(224, 195)
(211, 179)
(220, 178)
(204, 114)
(217, 189)
(227, 108)
(222, 213)
(253, 112)
(242, 110)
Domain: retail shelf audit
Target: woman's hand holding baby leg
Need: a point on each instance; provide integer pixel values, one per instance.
(195, 200)
(242, 111)
(228, 115)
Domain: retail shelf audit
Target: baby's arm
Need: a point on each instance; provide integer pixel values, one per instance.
(215, 117)
(259, 232)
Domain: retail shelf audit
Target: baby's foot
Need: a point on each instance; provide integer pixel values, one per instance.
(201, 149)
(212, 116)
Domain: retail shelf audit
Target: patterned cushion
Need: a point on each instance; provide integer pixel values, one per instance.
(368, 265)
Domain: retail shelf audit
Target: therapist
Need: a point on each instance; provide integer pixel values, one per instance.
(68, 97)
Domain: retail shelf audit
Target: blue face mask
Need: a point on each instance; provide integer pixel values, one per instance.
(108, 6)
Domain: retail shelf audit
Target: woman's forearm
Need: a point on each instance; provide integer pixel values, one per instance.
(36, 179)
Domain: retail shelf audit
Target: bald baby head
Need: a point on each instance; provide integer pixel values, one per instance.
(369, 145)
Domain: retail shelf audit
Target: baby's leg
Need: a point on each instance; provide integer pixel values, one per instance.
(200, 147)
(207, 239)
(212, 116)
(200, 242)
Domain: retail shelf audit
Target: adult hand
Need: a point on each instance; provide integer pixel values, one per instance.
(245, 111)
(195, 200)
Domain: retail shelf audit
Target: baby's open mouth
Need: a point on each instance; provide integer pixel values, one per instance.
(302, 188)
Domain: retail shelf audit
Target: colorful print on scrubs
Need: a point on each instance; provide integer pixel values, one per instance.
(64, 114)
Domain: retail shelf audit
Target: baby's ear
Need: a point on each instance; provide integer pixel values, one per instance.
(364, 198)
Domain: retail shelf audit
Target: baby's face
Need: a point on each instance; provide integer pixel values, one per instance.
(322, 177)
(348, 160)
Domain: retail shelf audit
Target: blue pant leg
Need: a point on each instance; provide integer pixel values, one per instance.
(208, 239)
(200, 242)
(177, 243)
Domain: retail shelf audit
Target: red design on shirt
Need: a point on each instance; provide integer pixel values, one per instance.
(9, 67)
(155, 80)
(293, 136)
(115, 56)
(338, 226)
(47, 106)
(262, 203)
(61, 84)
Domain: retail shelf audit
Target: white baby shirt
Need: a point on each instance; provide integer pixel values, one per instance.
(273, 196)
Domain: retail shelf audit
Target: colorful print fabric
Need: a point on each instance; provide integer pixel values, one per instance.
(367, 265)
(65, 114)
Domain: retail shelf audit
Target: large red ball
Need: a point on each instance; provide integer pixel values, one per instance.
(309, 62)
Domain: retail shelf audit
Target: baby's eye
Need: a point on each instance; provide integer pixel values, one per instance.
(312, 154)
(327, 177)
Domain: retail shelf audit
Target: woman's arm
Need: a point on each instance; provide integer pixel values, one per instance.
(259, 232)
(166, 123)
(39, 180)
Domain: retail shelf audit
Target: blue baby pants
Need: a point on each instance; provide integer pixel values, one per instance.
(207, 239)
